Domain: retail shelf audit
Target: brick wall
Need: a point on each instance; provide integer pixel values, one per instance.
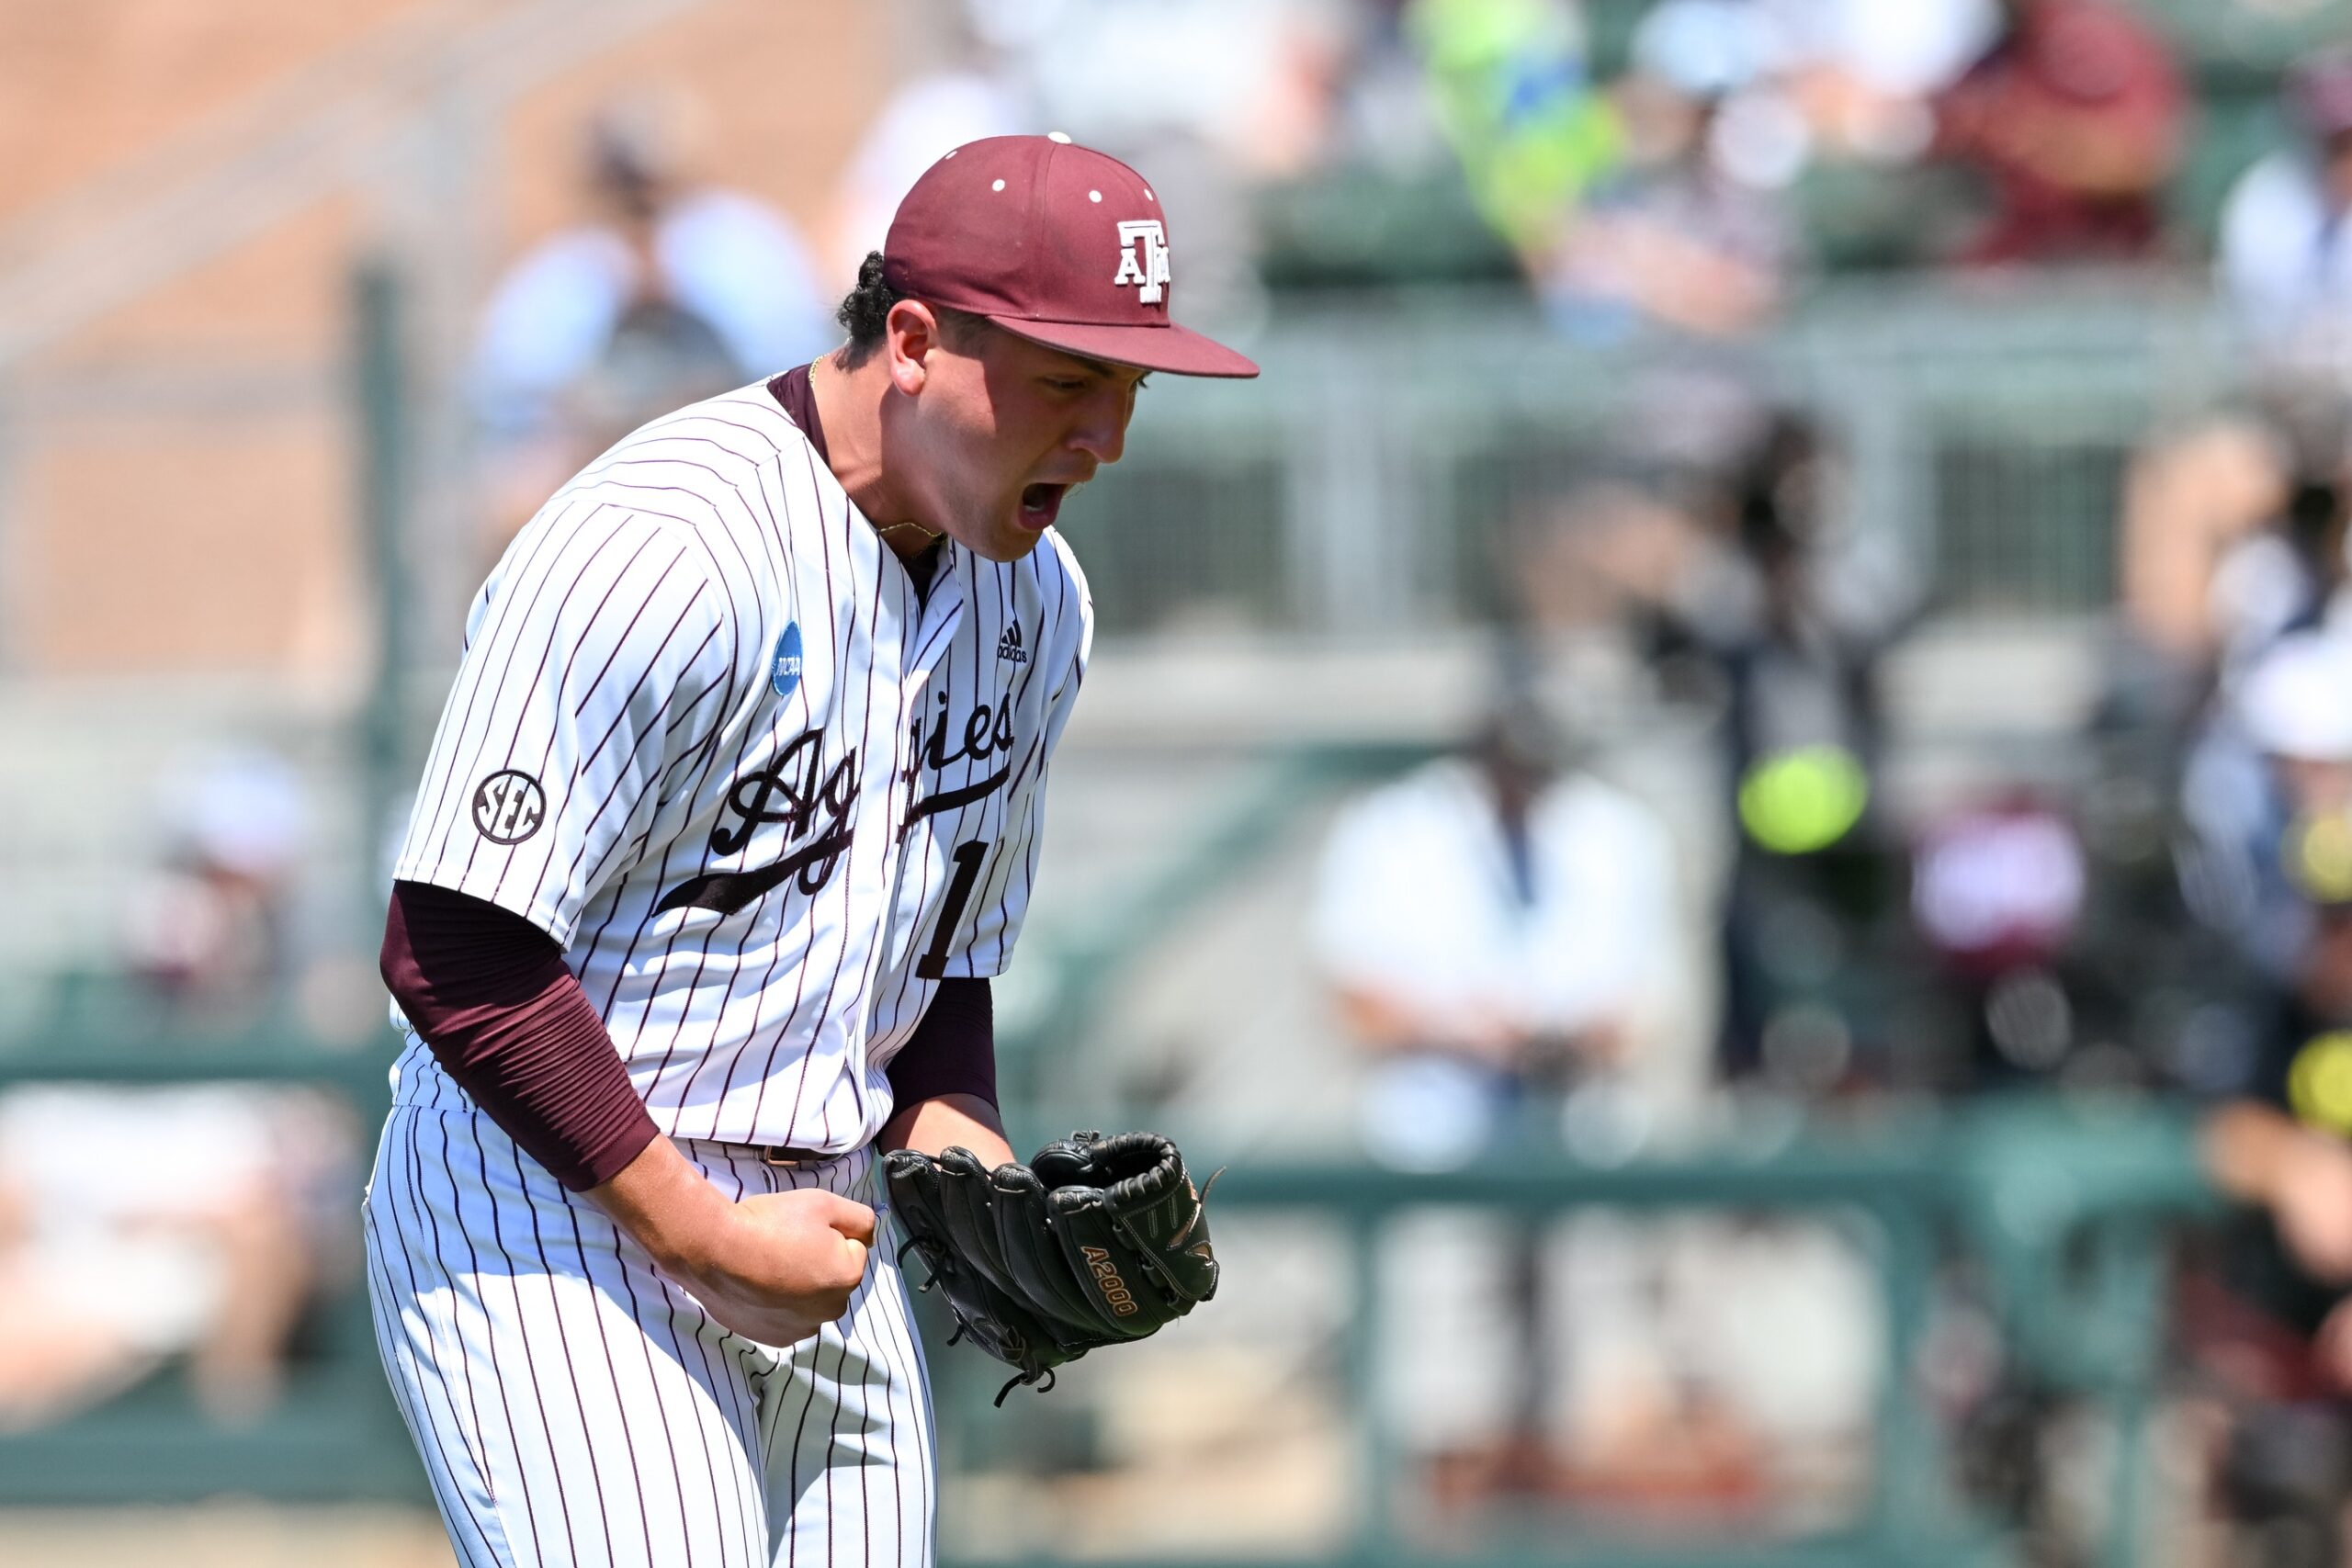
(179, 528)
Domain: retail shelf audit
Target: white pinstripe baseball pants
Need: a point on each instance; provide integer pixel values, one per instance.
(574, 1407)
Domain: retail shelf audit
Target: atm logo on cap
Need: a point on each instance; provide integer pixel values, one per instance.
(1143, 258)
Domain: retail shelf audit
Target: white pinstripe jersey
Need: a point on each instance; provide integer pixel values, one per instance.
(707, 736)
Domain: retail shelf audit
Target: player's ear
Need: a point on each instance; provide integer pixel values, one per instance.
(910, 332)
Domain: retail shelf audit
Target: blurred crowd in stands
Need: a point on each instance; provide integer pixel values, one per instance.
(181, 1225)
(1680, 170)
(1499, 929)
(1506, 933)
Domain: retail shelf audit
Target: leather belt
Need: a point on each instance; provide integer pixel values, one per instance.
(783, 1157)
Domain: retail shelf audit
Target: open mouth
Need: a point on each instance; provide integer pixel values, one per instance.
(1040, 504)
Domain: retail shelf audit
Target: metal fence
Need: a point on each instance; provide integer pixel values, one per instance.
(332, 1433)
(2064, 1208)
(1365, 485)
(1359, 494)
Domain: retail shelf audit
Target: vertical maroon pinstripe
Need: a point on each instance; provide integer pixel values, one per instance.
(953, 561)
(529, 1368)
(571, 1376)
(809, 711)
(786, 559)
(835, 633)
(865, 739)
(487, 618)
(580, 771)
(1002, 873)
(578, 578)
(711, 750)
(406, 1170)
(653, 799)
(390, 1342)
(443, 796)
(661, 1407)
(973, 623)
(671, 764)
(498, 1373)
(660, 738)
(888, 1387)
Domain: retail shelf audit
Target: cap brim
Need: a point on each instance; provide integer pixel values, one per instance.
(1177, 351)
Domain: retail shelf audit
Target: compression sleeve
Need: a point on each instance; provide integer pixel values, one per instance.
(952, 1051)
(488, 992)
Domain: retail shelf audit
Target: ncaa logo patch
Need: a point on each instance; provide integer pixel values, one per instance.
(784, 665)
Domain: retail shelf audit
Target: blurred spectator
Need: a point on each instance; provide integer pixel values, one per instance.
(2277, 1134)
(208, 930)
(1997, 892)
(2075, 119)
(2289, 575)
(205, 1246)
(1793, 621)
(1386, 103)
(1734, 561)
(671, 292)
(1249, 81)
(1499, 933)
(1693, 232)
(1219, 96)
(1865, 72)
(972, 93)
(2272, 770)
(2232, 534)
(1518, 104)
(206, 1241)
(1499, 929)
(2285, 266)
(2268, 1323)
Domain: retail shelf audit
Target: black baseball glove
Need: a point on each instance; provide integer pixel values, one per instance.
(1095, 1241)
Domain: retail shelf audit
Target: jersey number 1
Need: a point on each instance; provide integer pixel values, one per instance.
(933, 965)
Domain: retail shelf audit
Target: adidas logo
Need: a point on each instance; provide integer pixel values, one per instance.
(1009, 645)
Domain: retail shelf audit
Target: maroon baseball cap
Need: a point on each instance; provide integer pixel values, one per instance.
(1052, 242)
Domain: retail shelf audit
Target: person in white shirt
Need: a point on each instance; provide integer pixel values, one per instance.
(1492, 926)
(2285, 259)
(671, 291)
(1497, 932)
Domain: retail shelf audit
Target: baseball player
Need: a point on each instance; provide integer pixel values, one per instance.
(731, 815)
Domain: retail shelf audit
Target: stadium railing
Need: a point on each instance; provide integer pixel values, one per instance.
(332, 1433)
(2067, 1207)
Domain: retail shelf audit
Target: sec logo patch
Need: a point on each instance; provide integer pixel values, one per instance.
(509, 806)
(784, 666)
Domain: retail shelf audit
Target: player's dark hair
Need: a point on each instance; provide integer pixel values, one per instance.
(866, 307)
(865, 313)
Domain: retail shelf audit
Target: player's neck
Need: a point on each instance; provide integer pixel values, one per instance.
(849, 405)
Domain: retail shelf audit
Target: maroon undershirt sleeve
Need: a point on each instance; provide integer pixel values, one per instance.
(952, 1051)
(490, 994)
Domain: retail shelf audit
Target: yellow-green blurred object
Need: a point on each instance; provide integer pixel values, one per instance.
(2318, 854)
(2319, 1083)
(1515, 99)
(1795, 802)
